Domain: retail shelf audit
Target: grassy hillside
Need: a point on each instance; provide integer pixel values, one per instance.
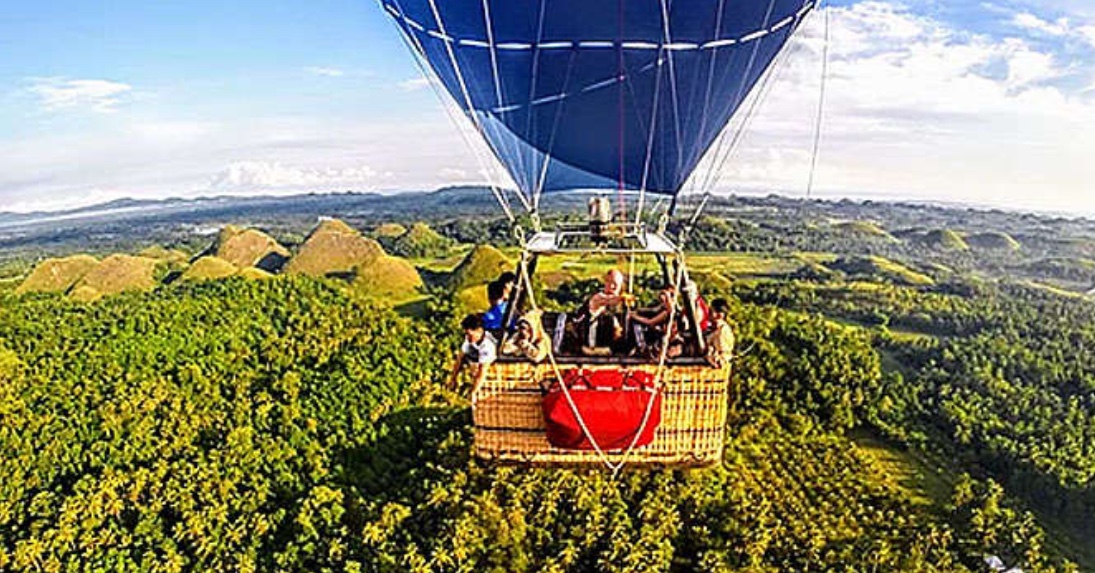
(333, 248)
(480, 266)
(994, 241)
(57, 275)
(880, 268)
(114, 275)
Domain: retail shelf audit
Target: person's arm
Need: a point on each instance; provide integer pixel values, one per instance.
(657, 320)
(456, 367)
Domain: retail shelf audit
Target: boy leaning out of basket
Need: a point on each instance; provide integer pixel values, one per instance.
(478, 352)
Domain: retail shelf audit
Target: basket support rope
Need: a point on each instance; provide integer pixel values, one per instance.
(614, 467)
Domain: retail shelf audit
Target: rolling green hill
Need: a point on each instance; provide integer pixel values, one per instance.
(993, 241)
(57, 275)
(482, 265)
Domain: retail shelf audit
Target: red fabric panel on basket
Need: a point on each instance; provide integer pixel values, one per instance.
(612, 404)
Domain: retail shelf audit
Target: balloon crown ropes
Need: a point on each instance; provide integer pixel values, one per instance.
(625, 95)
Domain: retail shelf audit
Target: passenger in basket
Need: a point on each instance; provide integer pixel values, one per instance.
(499, 293)
(720, 339)
(529, 339)
(604, 314)
(478, 352)
(499, 304)
(655, 327)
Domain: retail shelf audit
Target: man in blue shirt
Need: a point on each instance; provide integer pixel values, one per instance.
(495, 316)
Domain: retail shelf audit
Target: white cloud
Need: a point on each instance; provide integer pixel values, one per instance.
(1088, 33)
(101, 96)
(917, 108)
(172, 131)
(262, 175)
(327, 72)
(1030, 21)
(414, 84)
(1027, 66)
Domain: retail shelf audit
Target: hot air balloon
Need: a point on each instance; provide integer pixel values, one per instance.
(624, 96)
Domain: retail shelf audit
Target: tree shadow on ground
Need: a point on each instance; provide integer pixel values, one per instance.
(406, 451)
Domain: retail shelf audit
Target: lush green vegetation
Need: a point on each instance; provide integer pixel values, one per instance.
(912, 393)
(279, 425)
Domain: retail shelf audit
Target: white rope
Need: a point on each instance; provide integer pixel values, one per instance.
(512, 148)
(554, 132)
(531, 126)
(711, 68)
(673, 83)
(650, 141)
(724, 153)
(469, 105)
(448, 104)
(820, 106)
(741, 88)
(614, 467)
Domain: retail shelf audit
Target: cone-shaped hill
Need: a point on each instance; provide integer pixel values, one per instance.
(170, 256)
(250, 248)
(879, 268)
(389, 230)
(994, 241)
(389, 278)
(867, 229)
(482, 265)
(938, 239)
(57, 275)
(209, 268)
(116, 274)
(333, 249)
(420, 241)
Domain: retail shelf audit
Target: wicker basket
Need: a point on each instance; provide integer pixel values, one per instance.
(509, 420)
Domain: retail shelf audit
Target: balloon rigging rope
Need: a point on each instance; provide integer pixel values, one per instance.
(512, 148)
(530, 125)
(673, 83)
(469, 105)
(711, 68)
(650, 139)
(450, 105)
(820, 105)
(727, 152)
(741, 88)
(554, 133)
(614, 467)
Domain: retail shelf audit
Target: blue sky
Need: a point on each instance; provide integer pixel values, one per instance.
(986, 102)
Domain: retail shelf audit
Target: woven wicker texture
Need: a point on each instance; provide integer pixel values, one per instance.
(509, 421)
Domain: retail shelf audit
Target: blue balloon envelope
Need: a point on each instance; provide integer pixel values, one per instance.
(599, 94)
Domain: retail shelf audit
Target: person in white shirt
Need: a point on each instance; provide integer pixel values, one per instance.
(604, 313)
(478, 352)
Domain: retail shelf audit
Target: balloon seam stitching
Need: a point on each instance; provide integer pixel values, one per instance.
(606, 44)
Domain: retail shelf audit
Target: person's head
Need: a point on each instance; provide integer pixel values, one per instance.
(473, 328)
(496, 291)
(667, 297)
(719, 308)
(525, 330)
(614, 282)
(509, 281)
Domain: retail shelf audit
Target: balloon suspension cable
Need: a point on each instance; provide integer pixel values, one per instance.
(420, 60)
(663, 357)
(730, 140)
(820, 119)
(468, 108)
(686, 231)
(621, 202)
